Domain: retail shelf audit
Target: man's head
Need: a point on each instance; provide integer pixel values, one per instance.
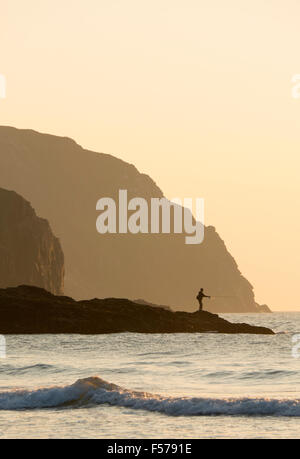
(201, 289)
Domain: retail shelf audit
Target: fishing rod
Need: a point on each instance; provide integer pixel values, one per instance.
(214, 296)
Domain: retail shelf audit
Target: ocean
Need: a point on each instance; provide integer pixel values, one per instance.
(154, 386)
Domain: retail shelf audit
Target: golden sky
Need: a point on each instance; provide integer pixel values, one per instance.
(195, 93)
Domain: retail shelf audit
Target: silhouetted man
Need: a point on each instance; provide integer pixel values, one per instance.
(200, 297)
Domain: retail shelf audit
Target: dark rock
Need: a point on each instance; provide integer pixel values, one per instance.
(32, 310)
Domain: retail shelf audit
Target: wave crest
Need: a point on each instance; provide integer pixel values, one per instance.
(96, 391)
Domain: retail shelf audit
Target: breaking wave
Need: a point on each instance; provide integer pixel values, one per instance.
(96, 391)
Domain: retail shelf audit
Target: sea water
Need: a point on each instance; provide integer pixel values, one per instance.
(132, 385)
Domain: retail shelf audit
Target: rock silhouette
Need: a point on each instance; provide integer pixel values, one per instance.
(28, 309)
(29, 252)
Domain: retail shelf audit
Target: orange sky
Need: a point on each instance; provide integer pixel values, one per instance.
(195, 93)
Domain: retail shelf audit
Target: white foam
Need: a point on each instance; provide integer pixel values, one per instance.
(96, 391)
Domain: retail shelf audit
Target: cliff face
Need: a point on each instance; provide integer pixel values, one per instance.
(64, 182)
(29, 253)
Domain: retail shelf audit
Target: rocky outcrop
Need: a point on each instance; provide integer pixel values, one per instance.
(29, 253)
(64, 182)
(263, 308)
(33, 310)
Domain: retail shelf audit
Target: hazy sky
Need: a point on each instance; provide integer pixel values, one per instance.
(195, 93)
